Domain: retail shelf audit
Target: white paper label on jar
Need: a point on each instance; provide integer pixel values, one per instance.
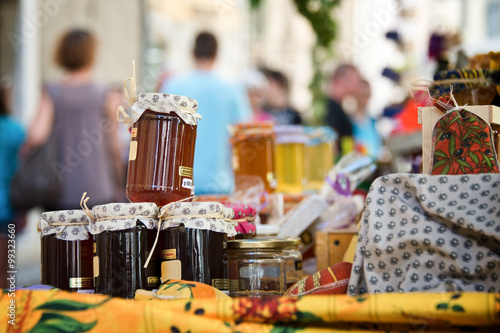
(132, 154)
(96, 266)
(171, 269)
(187, 183)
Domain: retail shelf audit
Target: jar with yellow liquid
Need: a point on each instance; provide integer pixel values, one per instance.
(290, 147)
(319, 155)
(253, 146)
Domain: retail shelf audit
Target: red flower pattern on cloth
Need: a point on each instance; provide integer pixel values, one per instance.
(463, 145)
(261, 310)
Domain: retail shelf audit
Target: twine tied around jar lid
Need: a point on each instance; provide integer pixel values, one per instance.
(85, 208)
(158, 232)
(184, 107)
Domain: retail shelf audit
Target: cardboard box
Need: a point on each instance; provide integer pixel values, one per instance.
(428, 117)
(331, 246)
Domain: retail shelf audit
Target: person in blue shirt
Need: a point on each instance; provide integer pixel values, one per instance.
(220, 104)
(11, 138)
(367, 139)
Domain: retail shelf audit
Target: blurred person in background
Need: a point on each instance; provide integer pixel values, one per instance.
(11, 139)
(78, 112)
(367, 140)
(277, 102)
(220, 104)
(343, 85)
(256, 86)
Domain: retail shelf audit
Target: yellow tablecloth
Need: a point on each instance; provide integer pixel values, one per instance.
(59, 311)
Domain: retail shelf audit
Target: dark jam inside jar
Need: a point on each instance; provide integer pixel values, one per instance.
(200, 253)
(67, 264)
(160, 167)
(120, 257)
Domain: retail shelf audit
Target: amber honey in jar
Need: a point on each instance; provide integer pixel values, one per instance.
(66, 250)
(253, 147)
(319, 155)
(124, 234)
(193, 238)
(163, 136)
(290, 146)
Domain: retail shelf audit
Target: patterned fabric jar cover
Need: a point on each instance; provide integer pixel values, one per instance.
(184, 107)
(55, 223)
(211, 216)
(244, 215)
(123, 216)
(429, 233)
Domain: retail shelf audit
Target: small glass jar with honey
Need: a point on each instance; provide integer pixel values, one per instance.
(161, 156)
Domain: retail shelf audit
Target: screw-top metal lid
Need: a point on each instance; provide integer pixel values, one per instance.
(255, 243)
(291, 242)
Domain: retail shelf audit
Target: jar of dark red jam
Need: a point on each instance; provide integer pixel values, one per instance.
(193, 239)
(66, 250)
(124, 234)
(163, 136)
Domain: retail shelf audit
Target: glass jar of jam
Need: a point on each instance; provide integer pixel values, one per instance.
(256, 267)
(319, 152)
(253, 152)
(163, 136)
(293, 260)
(193, 238)
(290, 146)
(124, 234)
(66, 250)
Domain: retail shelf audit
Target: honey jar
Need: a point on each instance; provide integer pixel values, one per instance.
(253, 146)
(290, 146)
(163, 136)
(319, 155)
(66, 250)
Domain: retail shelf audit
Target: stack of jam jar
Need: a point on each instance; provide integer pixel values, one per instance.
(118, 248)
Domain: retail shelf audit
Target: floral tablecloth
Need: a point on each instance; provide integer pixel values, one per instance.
(59, 311)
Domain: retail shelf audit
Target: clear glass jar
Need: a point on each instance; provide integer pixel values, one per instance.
(255, 268)
(163, 137)
(124, 234)
(66, 250)
(253, 152)
(293, 260)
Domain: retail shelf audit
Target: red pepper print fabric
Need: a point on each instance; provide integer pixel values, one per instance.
(463, 144)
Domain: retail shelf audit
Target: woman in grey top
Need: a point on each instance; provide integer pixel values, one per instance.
(75, 114)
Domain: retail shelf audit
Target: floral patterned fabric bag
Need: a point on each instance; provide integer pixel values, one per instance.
(463, 144)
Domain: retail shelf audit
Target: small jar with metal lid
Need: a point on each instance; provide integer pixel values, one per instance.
(124, 234)
(255, 267)
(293, 260)
(66, 250)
